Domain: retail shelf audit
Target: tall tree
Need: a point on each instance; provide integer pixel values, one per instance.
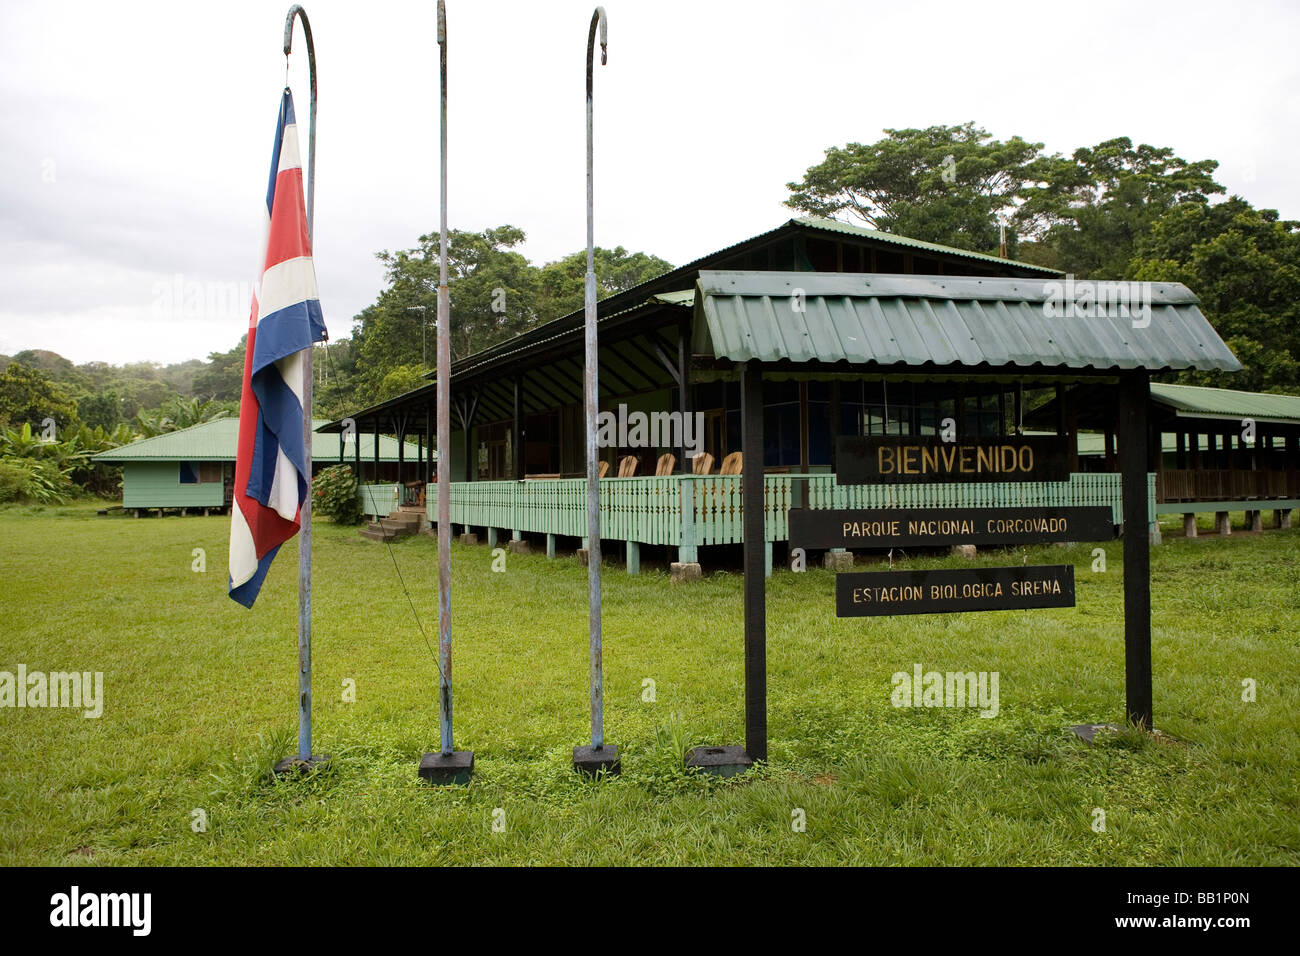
(1244, 265)
(1092, 208)
(562, 283)
(222, 378)
(27, 396)
(949, 184)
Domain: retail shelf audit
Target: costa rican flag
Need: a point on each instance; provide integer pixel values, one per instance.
(271, 479)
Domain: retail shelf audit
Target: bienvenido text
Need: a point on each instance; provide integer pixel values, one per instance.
(954, 459)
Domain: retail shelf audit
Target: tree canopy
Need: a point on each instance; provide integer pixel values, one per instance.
(1110, 211)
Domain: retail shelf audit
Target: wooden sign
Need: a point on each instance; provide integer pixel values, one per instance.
(881, 593)
(941, 527)
(895, 459)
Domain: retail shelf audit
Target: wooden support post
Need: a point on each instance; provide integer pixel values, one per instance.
(550, 546)
(1134, 399)
(836, 416)
(633, 557)
(684, 464)
(751, 415)
(687, 552)
(428, 445)
(517, 446)
(492, 537)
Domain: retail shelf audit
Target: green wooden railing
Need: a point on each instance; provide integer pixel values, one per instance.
(691, 511)
(378, 500)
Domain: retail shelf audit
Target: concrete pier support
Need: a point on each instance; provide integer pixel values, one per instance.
(685, 571)
(838, 559)
(1222, 524)
(1189, 526)
(1282, 518)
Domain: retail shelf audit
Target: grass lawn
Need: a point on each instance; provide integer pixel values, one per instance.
(200, 700)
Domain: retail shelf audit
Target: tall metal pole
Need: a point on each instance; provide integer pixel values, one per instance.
(592, 397)
(304, 533)
(444, 412)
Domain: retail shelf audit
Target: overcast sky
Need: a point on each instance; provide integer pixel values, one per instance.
(135, 137)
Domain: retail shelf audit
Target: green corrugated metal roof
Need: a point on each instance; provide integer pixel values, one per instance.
(1226, 402)
(920, 245)
(914, 320)
(216, 441)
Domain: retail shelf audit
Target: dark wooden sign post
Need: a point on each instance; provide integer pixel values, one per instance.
(922, 459)
(1135, 392)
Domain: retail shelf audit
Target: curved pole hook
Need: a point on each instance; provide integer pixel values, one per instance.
(297, 11)
(598, 19)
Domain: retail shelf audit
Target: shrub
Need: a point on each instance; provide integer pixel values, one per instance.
(334, 495)
(34, 479)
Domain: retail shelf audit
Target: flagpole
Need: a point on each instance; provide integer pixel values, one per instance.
(598, 756)
(448, 765)
(305, 758)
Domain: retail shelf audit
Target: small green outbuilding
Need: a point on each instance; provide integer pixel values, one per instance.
(195, 467)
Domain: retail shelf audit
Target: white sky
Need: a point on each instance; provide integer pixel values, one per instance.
(135, 137)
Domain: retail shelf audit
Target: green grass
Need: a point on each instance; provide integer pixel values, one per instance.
(200, 700)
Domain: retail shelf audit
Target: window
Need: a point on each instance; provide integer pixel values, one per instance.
(200, 472)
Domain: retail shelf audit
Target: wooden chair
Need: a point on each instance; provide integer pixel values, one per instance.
(665, 466)
(702, 464)
(602, 470)
(627, 467)
(731, 465)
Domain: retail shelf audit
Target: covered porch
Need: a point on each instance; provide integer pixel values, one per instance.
(829, 355)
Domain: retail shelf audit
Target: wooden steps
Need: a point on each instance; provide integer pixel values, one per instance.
(401, 523)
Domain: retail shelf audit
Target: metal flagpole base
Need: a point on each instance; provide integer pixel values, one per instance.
(1086, 732)
(593, 761)
(296, 766)
(443, 769)
(727, 761)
